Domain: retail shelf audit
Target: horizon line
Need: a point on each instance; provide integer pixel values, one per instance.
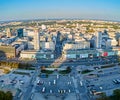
(35, 19)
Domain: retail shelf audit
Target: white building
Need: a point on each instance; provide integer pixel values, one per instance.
(30, 45)
(76, 45)
(33, 54)
(47, 45)
(43, 27)
(111, 42)
(36, 39)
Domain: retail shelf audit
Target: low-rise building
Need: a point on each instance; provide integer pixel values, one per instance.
(7, 51)
(32, 54)
(47, 46)
(76, 45)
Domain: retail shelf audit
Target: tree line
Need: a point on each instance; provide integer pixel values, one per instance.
(16, 65)
(6, 95)
(115, 96)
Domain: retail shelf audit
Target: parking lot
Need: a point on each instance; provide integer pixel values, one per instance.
(106, 81)
(55, 84)
(17, 79)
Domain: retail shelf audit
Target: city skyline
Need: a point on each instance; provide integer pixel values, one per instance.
(81, 9)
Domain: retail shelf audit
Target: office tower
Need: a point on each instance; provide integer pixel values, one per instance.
(119, 41)
(20, 32)
(8, 32)
(98, 39)
(36, 39)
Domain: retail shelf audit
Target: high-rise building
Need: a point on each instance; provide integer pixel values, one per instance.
(36, 39)
(8, 32)
(119, 41)
(20, 32)
(98, 39)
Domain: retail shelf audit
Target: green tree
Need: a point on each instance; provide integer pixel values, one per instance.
(103, 97)
(2, 95)
(8, 96)
(68, 69)
(116, 94)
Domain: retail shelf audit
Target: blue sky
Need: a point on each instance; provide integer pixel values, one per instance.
(83, 9)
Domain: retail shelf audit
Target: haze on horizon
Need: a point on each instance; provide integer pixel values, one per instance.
(43, 9)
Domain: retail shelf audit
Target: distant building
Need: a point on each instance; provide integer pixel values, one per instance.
(43, 27)
(78, 54)
(20, 32)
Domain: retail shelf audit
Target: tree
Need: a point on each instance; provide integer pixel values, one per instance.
(116, 94)
(2, 95)
(68, 69)
(8, 96)
(103, 97)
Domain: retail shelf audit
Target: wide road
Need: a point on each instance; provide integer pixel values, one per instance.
(27, 94)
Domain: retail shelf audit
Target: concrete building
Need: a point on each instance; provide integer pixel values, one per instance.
(79, 54)
(119, 41)
(30, 45)
(111, 42)
(98, 39)
(76, 45)
(20, 32)
(7, 51)
(47, 45)
(33, 54)
(8, 41)
(8, 32)
(19, 46)
(36, 39)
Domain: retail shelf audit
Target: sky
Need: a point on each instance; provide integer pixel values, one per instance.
(44, 9)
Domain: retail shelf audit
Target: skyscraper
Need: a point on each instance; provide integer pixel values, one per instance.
(20, 32)
(98, 39)
(36, 39)
(8, 32)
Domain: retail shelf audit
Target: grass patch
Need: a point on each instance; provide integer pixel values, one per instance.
(21, 73)
(53, 66)
(28, 68)
(64, 72)
(108, 66)
(86, 71)
(47, 71)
